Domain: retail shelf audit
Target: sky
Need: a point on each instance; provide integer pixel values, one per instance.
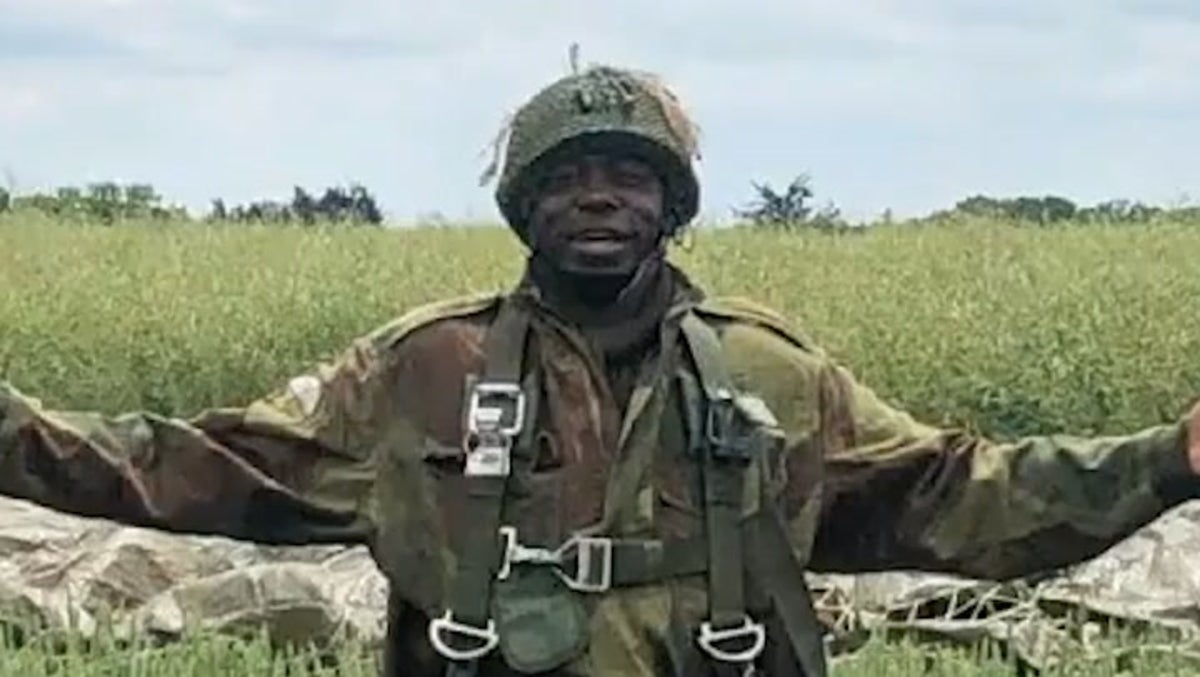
(908, 106)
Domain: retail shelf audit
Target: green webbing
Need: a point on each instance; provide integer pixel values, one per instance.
(773, 562)
(482, 554)
(642, 562)
(723, 474)
(784, 582)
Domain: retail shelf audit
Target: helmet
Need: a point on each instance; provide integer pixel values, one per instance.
(602, 109)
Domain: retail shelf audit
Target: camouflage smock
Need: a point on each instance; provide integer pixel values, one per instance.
(367, 449)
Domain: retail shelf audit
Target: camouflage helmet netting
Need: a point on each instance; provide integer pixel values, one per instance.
(607, 109)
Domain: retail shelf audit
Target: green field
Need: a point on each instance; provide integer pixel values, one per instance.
(1005, 328)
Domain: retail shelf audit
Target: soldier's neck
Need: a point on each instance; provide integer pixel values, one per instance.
(595, 299)
(616, 313)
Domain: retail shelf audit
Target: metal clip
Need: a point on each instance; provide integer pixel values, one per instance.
(719, 429)
(487, 637)
(515, 553)
(710, 639)
(592, 556)
(489, 439)
(593, 563)
(490, 418)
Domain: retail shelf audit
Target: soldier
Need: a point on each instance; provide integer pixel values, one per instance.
(602, 471)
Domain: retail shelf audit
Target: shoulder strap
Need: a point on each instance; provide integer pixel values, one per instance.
(500, 412)
(729, 636)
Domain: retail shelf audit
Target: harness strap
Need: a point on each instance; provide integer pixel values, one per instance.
(773, 566)
(729, 637)
(498, 446)
(644, 562)
(595, 564)
(784, 583)
(499, 409)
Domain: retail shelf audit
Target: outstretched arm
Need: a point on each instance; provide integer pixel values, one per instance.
(293, 467)
(902, 495)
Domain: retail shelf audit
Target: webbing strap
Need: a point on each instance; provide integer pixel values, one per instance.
(467, 627)
(595, 564)
(784, 582)
(642, 562)
(723, 466)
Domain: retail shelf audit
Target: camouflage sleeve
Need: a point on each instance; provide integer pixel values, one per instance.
(903, 495)
(290, 468)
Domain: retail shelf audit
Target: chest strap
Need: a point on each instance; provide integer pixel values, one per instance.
(596, 564)
(500, 411)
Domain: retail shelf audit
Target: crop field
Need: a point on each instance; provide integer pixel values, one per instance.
(1006, 328)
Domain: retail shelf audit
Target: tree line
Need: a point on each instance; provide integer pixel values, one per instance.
(108, 202)
(339, 205)
(105, 202)
(792, 207)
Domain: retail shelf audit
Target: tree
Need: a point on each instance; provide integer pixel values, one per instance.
(1042, 210)
(352, 205)
(1120, 211)
(140, 199)
(791, 209)
(364, 205)
(981, 205)
(303, 205)
(787, 209)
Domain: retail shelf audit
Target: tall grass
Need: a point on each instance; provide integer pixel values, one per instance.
(1010, 329)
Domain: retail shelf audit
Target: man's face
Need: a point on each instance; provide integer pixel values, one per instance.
(597, 214)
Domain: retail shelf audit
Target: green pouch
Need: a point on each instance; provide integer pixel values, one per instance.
(541, 622)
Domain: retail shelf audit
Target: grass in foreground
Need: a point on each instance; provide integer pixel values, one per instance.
(211, 655)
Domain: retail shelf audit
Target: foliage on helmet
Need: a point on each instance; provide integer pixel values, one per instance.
(605, 109)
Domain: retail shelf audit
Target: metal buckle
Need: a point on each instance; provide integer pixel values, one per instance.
(487, 637)
(489, 456)
(710, 638)
(492, 417)
(489, 440)
(722, 409)
(515, 553)
(593, 563)
(593, 558)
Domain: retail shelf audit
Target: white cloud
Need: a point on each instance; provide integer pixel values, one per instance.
(19, 103)
(907, 105)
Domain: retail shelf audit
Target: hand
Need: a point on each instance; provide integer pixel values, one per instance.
(1194, 438)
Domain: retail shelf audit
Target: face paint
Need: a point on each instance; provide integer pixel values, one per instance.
(597, 214)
